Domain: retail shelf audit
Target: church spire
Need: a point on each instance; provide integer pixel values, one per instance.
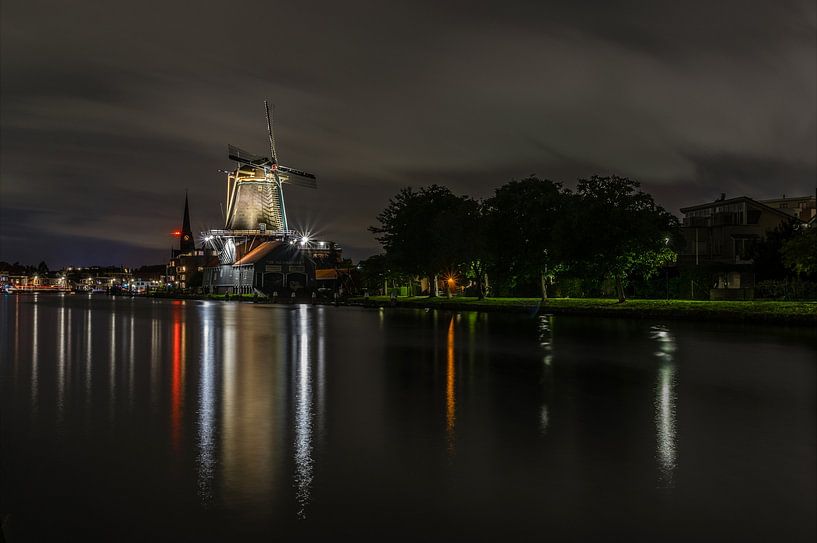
(186, 242)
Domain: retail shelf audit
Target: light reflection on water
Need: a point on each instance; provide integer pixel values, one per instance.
(89, 351)
(206, 459)
(155, 361)
(298, 414)
(177, 376)
(35, 356)
(450, 390)
(61, 352)
(665, 408)
(546, 341)
(303, 411)
(131, 361)
(112, 368)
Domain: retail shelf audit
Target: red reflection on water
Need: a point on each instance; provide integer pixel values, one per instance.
(176, 380)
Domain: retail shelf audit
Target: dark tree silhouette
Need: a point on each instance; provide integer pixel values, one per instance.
(523, 216)
(618, 229)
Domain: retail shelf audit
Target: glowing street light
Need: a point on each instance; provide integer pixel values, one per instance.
(452, 283)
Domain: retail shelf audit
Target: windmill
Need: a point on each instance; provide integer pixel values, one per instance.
(255, 195)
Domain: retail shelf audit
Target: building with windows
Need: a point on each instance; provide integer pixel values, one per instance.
(271, 268)
(722, 235)
(801, 207)
(726, 230)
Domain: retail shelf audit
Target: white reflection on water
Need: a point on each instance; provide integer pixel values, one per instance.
(61, 347)
(131, 357)
(206, 459)
(665, 407)
(35, 358)
(544, 418)
(88, 354)
(16, 334)
(112, 377)
(546, 338)
(546, 341)
(155, 357)
(321, 336)
(303, 414)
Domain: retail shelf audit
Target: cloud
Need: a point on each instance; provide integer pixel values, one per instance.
(109, 115)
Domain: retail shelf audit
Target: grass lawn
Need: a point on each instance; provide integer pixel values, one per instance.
(755, 311)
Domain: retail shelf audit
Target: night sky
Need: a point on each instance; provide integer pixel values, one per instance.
(111, 110)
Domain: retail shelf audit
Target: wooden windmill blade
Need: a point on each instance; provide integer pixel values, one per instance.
(245, 157)
(298, 178)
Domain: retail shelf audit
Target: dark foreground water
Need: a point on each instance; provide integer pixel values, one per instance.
(138, 420)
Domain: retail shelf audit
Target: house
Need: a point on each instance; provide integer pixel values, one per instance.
(801, 207)
(722, 236)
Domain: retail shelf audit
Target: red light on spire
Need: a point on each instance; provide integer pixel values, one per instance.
(177, 233)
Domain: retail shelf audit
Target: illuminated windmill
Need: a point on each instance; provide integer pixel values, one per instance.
(257, 251)
(255, 195)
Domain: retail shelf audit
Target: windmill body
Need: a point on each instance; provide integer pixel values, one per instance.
(255, 199)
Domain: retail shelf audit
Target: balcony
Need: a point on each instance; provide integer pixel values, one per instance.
(696, 222)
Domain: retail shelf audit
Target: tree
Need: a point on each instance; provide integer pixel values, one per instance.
(375, 273)
(415, 231)
(523, 217)
(618, 229)
(474, 248)
(800, 251)
(42, 267)
(767, 252)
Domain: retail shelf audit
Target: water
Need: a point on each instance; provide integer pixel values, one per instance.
(132, 420)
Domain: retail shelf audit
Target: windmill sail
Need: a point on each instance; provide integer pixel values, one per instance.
(245, 157)
(297, 177)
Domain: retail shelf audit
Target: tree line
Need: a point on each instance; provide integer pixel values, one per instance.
(530, 232)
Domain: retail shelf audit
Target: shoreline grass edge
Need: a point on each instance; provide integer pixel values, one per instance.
(770, 312)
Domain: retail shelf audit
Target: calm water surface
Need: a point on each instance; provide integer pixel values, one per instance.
(133, 420)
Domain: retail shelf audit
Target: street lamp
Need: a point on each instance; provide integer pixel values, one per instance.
(451, 284)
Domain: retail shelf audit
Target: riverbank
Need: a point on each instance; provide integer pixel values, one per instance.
(797, 313)
(757, 311)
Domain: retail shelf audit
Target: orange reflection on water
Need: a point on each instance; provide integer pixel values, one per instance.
(450, 393)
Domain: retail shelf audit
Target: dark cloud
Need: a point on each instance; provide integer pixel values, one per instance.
(109, 114)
